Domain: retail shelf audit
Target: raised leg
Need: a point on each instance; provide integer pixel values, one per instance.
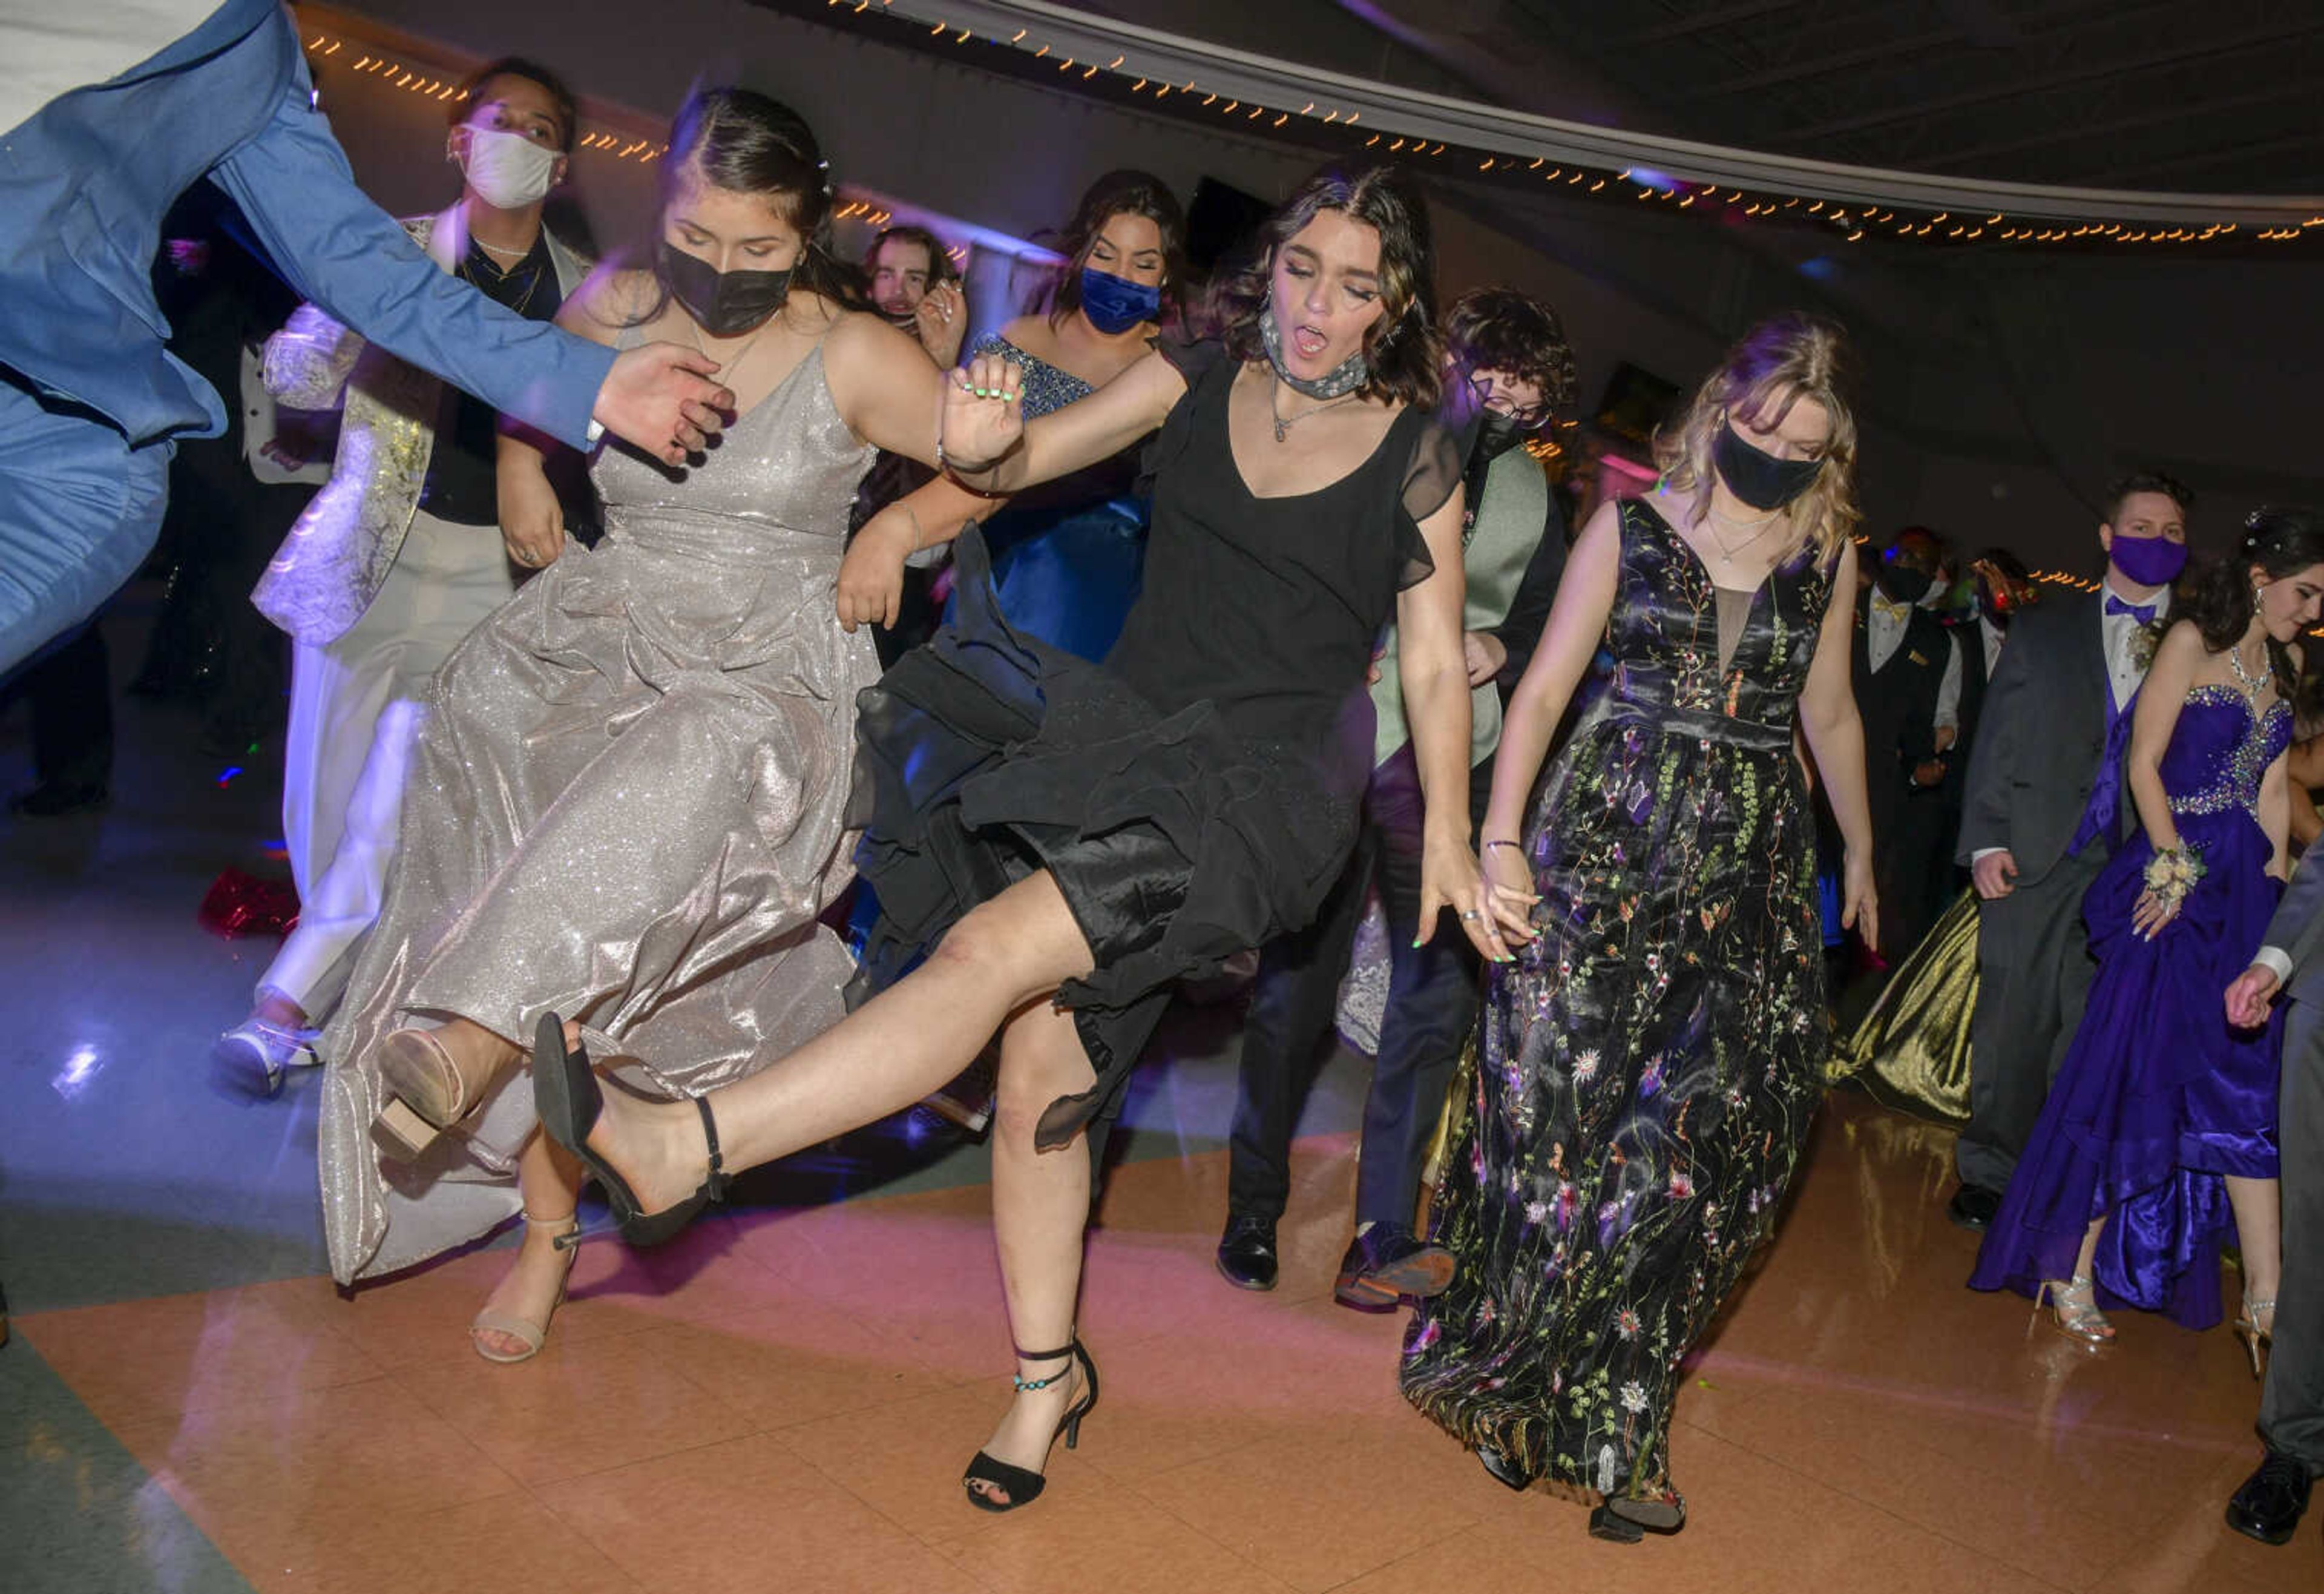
(885, 1056)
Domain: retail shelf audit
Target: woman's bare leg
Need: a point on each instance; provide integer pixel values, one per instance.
(2259, 1221)
(883, 1057)
(549, 1178)
(1040, 1212)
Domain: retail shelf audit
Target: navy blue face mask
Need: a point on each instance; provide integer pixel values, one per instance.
(1115, 304)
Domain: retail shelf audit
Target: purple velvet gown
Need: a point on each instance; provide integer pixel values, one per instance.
(2158, 1098)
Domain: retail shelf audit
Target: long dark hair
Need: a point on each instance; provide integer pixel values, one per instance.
(2280, 541)
(1131, 192)
(1401, 348)
(740, 140)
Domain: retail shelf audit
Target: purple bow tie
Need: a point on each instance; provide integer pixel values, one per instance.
(2143, 613)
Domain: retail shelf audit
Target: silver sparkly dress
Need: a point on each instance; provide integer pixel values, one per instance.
(629, 805)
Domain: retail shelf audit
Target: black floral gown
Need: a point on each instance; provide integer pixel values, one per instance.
(1648, 1066)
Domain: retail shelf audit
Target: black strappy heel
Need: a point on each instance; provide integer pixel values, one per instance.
(1023, 1484)
(566, 1097)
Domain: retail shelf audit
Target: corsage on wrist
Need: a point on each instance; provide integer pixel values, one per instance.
(2172, 873)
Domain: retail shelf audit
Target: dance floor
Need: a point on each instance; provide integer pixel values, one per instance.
(785, 1398)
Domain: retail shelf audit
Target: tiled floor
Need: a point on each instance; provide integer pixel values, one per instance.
(784, 1399)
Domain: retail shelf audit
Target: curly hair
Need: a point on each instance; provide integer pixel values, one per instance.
(1128, 192)
(1402, 346)
(1502, 330)
(1781, 360)
(2277, 541)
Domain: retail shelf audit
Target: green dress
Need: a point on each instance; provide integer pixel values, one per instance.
(1648, 1067)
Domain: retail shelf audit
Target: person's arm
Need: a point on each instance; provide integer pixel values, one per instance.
(1434, 679)
(1577, 620)
(871, 585)
(2154, 717)
(2306, 824)
(1835, 734)
(532, 521)
(990, 447)
(2276, 818)
(2294, 936)
(1519, 632)
(349, 256)
(2010, 696)
(308, 363)
(2305, 764)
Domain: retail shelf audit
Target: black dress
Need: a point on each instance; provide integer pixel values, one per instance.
(1196, 793)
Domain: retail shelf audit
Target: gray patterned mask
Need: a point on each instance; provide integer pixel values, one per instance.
(1347, 377)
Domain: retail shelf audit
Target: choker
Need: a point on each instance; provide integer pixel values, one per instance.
(1345, 377)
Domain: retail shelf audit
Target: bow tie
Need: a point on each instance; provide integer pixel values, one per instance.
(1884, 605)
(2143, 613)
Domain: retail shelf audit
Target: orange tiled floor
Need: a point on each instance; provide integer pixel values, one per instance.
(785, 1400)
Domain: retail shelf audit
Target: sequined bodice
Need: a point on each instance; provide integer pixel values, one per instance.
(786, 470)
(1046, 387)
(2220, 750)
(1664, 632)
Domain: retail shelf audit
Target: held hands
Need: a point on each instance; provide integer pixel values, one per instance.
(1859, 904)
(872, 575)
(1450, 879)
(1995, 874)
(532, 522)
(660, 396)
(984, 413)
(1928, 774)
(2248, 998)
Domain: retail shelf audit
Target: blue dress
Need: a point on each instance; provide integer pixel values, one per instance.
(1069, 556)
(2157, 1099)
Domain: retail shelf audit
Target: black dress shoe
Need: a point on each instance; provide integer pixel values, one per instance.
(54, 800)
(1973, 1207)
(1388, 1263)
(1247, 1253)
(2268, 1506)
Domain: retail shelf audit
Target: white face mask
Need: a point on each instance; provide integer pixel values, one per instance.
(507, 170)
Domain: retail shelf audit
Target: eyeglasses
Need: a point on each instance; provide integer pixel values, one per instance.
(1488, 396)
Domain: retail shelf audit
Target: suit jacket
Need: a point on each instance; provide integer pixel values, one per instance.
(337, 556)
(86, 179)
(2041, 736)
(2297, 929)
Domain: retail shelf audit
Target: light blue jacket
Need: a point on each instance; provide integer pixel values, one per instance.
(86, 179)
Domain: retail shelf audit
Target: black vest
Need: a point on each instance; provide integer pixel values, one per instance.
(1898, 700)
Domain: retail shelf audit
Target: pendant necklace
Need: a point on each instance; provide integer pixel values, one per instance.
(1284, 423)
(1766, 523)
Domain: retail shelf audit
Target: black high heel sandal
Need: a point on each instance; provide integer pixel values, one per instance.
(566, 1097)
(1023, 1484)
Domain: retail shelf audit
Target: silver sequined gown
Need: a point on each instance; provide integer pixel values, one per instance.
(628, 806)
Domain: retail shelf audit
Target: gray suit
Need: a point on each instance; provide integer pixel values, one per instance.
(2291, 1411)
(2040, 739)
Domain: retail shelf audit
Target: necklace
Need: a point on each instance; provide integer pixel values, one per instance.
(694, 335)
(1727, 555)
(505, 253)
(1283, 422)
(2253, 685)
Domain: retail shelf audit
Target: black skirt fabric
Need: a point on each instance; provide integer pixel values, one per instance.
(987, 755)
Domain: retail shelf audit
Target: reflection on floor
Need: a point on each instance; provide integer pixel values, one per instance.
(785, 1397)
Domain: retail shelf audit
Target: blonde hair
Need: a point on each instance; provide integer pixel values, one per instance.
(1777, 364)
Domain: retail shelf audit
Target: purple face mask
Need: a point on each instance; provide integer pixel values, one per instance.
(2149, 562)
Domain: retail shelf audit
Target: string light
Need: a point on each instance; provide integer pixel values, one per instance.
(1852, 221)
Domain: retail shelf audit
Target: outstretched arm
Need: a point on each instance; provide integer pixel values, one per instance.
(990, 447)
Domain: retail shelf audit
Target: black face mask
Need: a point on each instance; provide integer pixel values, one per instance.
(725, 302)
(1496, 434)
(1756, 477)
(1903, 583)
